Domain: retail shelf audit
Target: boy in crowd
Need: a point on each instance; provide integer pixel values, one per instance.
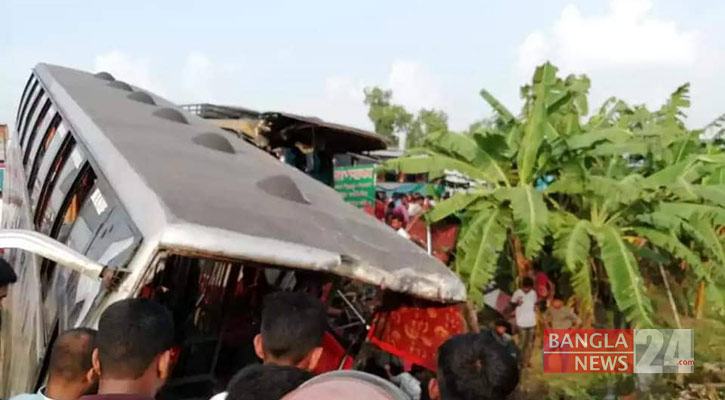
(70, 372)
(133, 350)
(524, 300)
(559, 316)
(396, 221)
(501, 334)
(473, 366)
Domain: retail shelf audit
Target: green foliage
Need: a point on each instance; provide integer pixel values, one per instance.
(427, 122)
(573, 247)
(390, 120)
(393, 121)
(481, 245)
(636, 181)
(531, 217)
(625, 279)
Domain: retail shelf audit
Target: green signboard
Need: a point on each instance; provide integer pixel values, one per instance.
(356, 184)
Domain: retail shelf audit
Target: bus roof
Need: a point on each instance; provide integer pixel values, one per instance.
(198, 188)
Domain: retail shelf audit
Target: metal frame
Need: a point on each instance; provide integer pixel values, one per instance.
(49, 248)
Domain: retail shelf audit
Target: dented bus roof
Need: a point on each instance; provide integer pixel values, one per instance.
(198, 188)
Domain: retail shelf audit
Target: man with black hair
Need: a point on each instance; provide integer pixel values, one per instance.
(524, 300)
(291, 332)
(7, 278)
(265, 382)
(70, 372)
(133, 350)
(397, 222)
(501, 333)
(293, 324)
(473, 367)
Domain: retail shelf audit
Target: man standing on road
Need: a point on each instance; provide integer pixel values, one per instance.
(524, 300)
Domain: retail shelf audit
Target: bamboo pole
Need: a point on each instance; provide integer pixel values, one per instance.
(669, 295)
(700, 299)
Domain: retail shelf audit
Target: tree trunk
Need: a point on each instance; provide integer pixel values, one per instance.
(700, 299)
(523, 264)
(669, 295)
(470, 316)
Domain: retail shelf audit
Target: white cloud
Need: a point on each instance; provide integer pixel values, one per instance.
(632, 53)
(628, 35)
(340, 99)
(413, 86)
(343, 98)
(128, 68)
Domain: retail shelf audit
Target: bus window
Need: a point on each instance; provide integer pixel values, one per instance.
(58, 185)
(49, 152)
(24, 106)
(115, 242)
(37, 150)
(72, 204)
(94, 211)
(95, 226)
(29, 118)
(25, 93)
(52, 174)
(64, 220)
(40, 123)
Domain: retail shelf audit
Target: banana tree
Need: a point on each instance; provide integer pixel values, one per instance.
(602, 198)
(505, 208)
(678, 160)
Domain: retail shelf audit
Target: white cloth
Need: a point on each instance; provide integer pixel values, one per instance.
(402, 232)
(408, 384)
(219, 396)
(39, 395)
(526, 311)
(414, 209)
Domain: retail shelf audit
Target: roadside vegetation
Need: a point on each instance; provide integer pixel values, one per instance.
(626, 202)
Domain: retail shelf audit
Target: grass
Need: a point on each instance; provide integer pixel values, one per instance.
(709, 368)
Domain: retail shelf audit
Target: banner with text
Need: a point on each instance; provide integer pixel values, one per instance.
(356, 184)
(619, 351)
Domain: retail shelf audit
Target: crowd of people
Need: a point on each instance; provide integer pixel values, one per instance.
(536, 307)
(401, 210)
(131, 356)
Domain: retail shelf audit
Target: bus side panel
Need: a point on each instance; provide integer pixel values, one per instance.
(23, 345)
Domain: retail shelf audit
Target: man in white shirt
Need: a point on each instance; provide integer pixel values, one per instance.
(524, 300)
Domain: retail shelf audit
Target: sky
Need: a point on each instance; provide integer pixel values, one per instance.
(316, 57)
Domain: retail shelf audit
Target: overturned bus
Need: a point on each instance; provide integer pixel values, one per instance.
(113, 192)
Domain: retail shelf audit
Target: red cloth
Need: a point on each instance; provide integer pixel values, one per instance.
(380, 210)
(332, 356)
(414, 334)
(542, 285)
